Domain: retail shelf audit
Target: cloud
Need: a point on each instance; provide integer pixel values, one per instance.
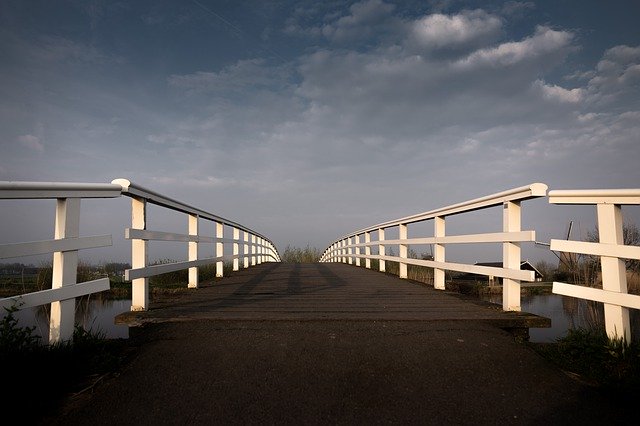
(557, 93)
(617, 76)
(463, 30)
(31, 142)
(56, 49)
(516, 9)
(243, 75)
(544, 46)
(363, 22)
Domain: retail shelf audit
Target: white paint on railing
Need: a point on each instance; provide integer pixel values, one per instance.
(193, 251)
(611, 250)
(64, 248)
(342, 249)
(49, 246)
(45, 297)
(67, 242)
(261, 248)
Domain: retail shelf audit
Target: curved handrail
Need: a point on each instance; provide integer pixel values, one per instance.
(348, 247)
(522, 193)
(132, 189)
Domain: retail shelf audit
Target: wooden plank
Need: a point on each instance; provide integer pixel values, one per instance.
(50, 246)
(596, 249)
(514, 274)
(494, 237)
(150, 271)
(595, 196)
(45, 297)
(598, 295)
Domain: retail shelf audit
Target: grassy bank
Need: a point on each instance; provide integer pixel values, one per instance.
(591, 357)
(47, 376)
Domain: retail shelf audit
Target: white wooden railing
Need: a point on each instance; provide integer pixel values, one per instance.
(610, 249)
(256, 248)
(67, 242)
(64, 246)
(349, 247)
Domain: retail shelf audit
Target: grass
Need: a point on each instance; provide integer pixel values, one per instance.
(588, 354)
(45, 376)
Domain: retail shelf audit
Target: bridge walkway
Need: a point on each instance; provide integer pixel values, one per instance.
(330, 344)
(327, 291)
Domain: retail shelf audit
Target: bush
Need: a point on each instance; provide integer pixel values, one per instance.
(64, 368)
(589, 353)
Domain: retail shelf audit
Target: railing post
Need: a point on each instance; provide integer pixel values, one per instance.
(139, 286)
(402, 235)
(65, 270)
(614, 277)
(511, 256)
(253, 250)
(246, 250)
(438, 252)
(193, 251)
(236, 249)
(381, 250)
(367, 249)
(219, 249)
(349, 251)
(357, 238)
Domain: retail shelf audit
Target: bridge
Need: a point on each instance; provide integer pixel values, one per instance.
(349, 296)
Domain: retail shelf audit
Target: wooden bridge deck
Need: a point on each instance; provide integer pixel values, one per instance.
(325, 291)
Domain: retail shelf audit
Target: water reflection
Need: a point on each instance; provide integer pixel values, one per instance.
(565, 313)
(95, 314)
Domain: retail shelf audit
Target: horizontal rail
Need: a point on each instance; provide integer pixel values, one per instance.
(153, 270)
(522, 193)
(48, 296)
(595, 196)
(597, 295)
(497, 237)
(131, 189)
(514, 274)
(140, 234)
(49, 190)
(51, 246)
(596, 249)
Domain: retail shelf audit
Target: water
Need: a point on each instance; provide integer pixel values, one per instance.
(96, 315)
(565, 313)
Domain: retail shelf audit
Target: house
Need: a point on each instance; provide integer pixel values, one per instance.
(524, 266)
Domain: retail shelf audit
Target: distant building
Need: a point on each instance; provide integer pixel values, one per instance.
(524, 266)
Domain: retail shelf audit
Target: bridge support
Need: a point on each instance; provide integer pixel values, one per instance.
(236, 249)
(219, 249)
(403, 251)
(65, 269)
(367, 249)
(614, 276)
(193, 251)
(139, 256)
(381, 250)
(438, 252)
(511, 218)
(246, 250)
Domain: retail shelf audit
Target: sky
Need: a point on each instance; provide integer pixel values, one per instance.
(306, 120)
